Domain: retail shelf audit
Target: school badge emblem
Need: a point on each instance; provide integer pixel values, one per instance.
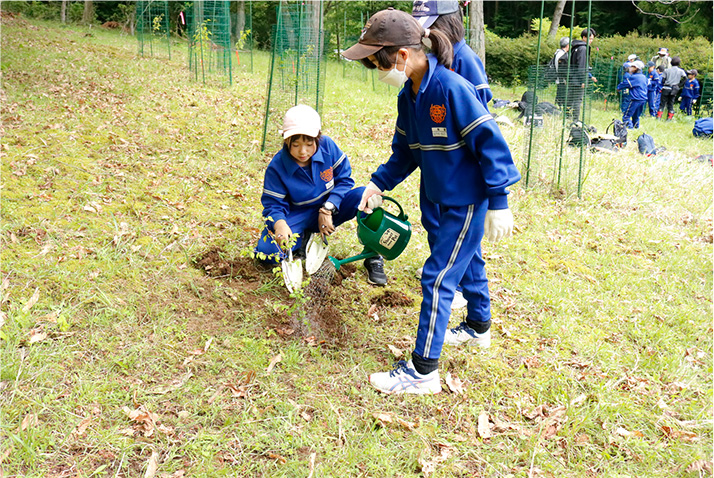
(437, 113)
(326, 175)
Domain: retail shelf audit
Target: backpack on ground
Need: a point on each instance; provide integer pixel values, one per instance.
(619, 129)
(580, 134)
(703, 128)
(646, 145)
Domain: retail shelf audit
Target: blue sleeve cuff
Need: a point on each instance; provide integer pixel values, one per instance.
(498, 202)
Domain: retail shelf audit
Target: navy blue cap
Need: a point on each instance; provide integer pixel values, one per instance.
(427, 11)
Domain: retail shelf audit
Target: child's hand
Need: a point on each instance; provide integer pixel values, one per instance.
(282, 232)
(371, 198)
(324, 220)
(498, 224)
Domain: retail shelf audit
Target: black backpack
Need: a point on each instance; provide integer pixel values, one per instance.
(580, 134)
(646, 145)
(620, 130)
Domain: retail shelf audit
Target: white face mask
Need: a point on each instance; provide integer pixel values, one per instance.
(394, 77)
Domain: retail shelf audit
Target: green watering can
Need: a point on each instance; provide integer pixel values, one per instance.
(381, 233)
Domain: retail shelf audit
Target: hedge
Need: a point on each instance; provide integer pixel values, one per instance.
(508, 59)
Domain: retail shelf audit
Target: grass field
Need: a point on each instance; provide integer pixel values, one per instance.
(139, 339)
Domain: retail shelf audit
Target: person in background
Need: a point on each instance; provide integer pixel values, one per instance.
(560, 63)
(690, 92)
(637, 84)
(625, 72)
(443, 129)
(580, 71)
(307, 189)
(654, 86)
(445, 16)
(662, 58)
(672, 80)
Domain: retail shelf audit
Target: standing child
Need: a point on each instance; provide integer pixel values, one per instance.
(445, 16)
(308, 189)
(671, 80)
(637, 84)
(654, 85)
(625, 73)
(443, 129)
(690, 92)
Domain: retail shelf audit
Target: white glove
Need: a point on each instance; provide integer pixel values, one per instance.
(498, 224)
(371, 198)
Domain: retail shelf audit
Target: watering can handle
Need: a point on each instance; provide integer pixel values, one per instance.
(401, 216)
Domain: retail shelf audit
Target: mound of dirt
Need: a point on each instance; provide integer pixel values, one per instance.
(393, 298)
(214, 265)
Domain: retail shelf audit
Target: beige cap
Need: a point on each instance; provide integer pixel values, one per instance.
(301, 119)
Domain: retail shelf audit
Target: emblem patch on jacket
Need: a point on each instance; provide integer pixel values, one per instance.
(437, 113)
(326, 175)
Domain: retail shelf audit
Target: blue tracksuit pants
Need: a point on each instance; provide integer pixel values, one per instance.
(455, 257)
(304, 219)
(625, 101)
(631, 117)
(686, 105)
(652, 102)
(429, 218)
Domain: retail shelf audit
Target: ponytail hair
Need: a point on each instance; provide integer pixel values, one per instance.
(441, 46)
(438, 42)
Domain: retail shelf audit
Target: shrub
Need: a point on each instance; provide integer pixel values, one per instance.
(508, 59)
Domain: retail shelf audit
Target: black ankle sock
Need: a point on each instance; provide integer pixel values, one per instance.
(424, 366)
(479, 327)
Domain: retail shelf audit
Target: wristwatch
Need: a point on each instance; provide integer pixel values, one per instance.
(329, 207)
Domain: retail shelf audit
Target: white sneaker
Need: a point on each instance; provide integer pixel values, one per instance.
(459, 301)
(405, 379)
(465, 335)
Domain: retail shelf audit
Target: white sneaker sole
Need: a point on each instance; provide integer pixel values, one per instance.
(410, 391)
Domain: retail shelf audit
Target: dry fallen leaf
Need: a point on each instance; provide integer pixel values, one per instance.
(82, 427)
(152, 466)
(383, 418)
(484, 430)
(313, 455)
(37, 335)
(700, 465)
(683, 435)
(395, 351)
(273, 362)
(454, 383)
(623, 432)
(29, 420)
(33, 300)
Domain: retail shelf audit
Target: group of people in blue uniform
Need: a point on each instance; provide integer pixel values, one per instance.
(444, 130)
(658, 88)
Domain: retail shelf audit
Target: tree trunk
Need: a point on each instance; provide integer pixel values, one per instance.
(63, 12)
(240, 19)
(556, 18)
(477, 33)
(88, 15)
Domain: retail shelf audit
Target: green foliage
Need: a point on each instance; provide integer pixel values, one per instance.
(508, 59)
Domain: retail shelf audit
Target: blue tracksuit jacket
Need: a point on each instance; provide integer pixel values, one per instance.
(468, 64)
(295, 194)
(690, 92)
(654, 86)
(466, 167)
(637, 84)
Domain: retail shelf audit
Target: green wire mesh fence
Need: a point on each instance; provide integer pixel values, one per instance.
(209, 33)
(550, 108)
(298, 64)
(243, 21)
(152, 28)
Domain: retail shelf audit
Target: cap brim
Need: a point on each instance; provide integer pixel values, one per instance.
(299, 130)
(360, 50)
(427, 21)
